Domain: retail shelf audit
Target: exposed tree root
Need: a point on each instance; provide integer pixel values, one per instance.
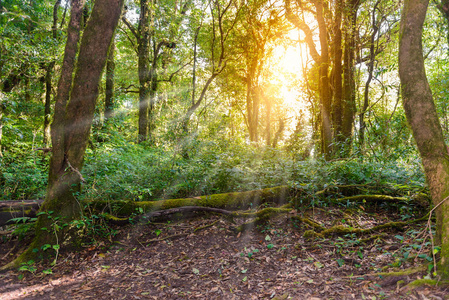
(421, 282)
(315, 225)
(409, 271)
(260, 217)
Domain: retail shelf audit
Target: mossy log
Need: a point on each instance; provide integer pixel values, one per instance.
(230, 201)
(372, 198)
(342, 230)
(420, 199)
(12, 209)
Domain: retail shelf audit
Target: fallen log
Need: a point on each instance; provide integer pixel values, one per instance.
(231, 201)
(12, 209)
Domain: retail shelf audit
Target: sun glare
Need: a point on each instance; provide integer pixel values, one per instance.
(287, 64)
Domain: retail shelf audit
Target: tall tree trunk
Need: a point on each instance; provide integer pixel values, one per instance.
(423, 119)
(443, 7)
(372, 57)
(49, 78)
(1, 122)
(349, 90)
(74, 128)
(268, 105)
(47, 106)
(337, 103)
(143, 52)
(325, 87)
(109, 93)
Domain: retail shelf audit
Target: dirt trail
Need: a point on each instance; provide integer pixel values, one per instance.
(268, 262)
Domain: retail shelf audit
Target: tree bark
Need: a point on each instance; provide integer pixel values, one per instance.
(337, 70)
(47, 106)
(143, 52)
(423, 119)
(372, 56)
(349, 90)
(324, 83)
(109, 93)
(49, 78)
(1, 122)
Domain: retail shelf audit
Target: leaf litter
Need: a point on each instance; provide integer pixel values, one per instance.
(204, 258)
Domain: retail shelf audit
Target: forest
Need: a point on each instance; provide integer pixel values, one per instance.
(224, 149)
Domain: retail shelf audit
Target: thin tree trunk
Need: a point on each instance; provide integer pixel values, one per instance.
(423, 119)
(47, 106)
(110, 73)
(143, 52)
(1, 122)
(372, 57)
(49, 79)
(268, 105)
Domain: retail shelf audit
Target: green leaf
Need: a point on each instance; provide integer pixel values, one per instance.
(46, 246)
(268, 238)
(195, 271)
(245, 278)
(47, 271)
(399, 237)
(244, 271)
(270, 246)
(340, 262)
(157, 232)
(56, 247)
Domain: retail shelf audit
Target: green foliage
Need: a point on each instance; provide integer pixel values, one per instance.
(23, 174)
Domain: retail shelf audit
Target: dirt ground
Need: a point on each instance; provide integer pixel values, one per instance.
(203, 258)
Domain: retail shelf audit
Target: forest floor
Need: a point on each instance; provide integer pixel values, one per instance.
(203, 258)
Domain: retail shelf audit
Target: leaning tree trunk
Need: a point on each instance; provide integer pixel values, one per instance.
(60, 205)
(423, 119)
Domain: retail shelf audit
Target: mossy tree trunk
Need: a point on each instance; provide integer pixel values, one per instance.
(72, 122)
(423, 119)
(349, 90)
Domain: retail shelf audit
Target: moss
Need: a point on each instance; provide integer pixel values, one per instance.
(115, 220)
(372, 198)
(402, 272)
(310, 234)
(234, 200)
(261, 216)
(315, 225)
